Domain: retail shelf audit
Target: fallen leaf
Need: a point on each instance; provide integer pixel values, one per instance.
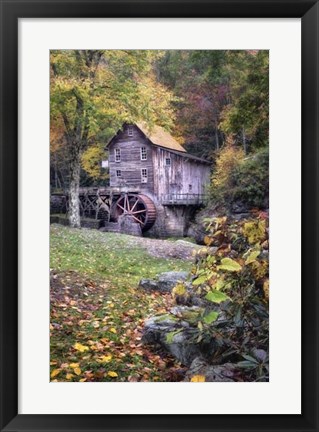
(77, 371)
(198, 378)
(112, 374)
(80, 347)
(55, 372)
(105, 359)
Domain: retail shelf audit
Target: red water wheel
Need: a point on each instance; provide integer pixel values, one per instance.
(140, 207)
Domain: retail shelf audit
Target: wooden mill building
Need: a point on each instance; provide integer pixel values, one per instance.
(155, 185)
(152, 165)
(154, 162)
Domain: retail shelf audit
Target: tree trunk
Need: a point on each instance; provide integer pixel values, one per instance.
(74, 201)
(216, 136)
(244, 140)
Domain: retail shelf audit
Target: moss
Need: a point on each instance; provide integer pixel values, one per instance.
(166, 317)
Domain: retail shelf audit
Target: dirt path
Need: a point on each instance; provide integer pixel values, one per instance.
(179, 249)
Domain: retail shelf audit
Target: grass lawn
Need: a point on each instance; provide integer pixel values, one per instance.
(97, 311)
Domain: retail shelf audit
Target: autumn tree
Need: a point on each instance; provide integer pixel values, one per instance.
(247, 112)
(221, 93)
(93, 92)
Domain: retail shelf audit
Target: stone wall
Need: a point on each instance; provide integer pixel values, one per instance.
(172, 221)
(57, 204)
(85, 223)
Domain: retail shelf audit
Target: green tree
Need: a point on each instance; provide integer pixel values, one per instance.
(94, 92)
(247, 113)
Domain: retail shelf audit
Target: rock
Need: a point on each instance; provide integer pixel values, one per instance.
(128, 225)
(164, 282)
(57, 204)
(186, 313)
(174, 333)
(197, 232)
(212, 373)
(190, 298)
(148, 284)
(238, 207)
(186, 243)
(156, 328)
(168, 280)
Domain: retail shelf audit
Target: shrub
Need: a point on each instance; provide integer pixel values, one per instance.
(233, 285)
(250, 181)
(240, 181)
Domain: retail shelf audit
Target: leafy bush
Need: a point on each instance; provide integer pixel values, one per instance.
(251, 181)
(231, 279)
(240, 182)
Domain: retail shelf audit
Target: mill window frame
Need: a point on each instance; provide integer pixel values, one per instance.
(143, 153)
(117, 154)
(144, 175)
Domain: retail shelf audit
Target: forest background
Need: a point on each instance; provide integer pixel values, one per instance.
(216, 103)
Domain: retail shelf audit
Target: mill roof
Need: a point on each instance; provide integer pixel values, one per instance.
(161, 138)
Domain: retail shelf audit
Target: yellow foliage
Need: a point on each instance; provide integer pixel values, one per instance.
(260, 269)
(55, 372)
(80, 347)
(77, 371)
(105, 359)
(91, 162)
(69, 376)
(266, 289)
(112, 374)
(208, 240)
(198, 378)
(255, 231)
(229, 157)
(179, 289)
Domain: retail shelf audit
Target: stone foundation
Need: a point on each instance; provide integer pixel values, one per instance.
(172, 221)
(85, 223)
(57, 204)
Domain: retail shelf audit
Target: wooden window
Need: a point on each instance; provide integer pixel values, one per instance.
(144, 175)
(117, 155)
(118, 173)
(130, 131)
(143, 153)
(168, 161)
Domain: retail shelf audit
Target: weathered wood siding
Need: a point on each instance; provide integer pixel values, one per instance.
(131, 163)
(183, 175)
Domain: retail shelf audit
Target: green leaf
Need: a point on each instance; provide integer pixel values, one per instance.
(200, 280)
(211, 317)
(249, 358)
(216, 296)
(252, 257)
(170, 336)
(247, 364)
(221, 284)
(228, 264)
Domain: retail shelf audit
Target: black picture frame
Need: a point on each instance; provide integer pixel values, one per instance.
(11, 11)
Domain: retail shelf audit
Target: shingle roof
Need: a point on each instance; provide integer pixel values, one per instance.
(158, 136)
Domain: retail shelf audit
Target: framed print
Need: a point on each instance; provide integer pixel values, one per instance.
(173, 146)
